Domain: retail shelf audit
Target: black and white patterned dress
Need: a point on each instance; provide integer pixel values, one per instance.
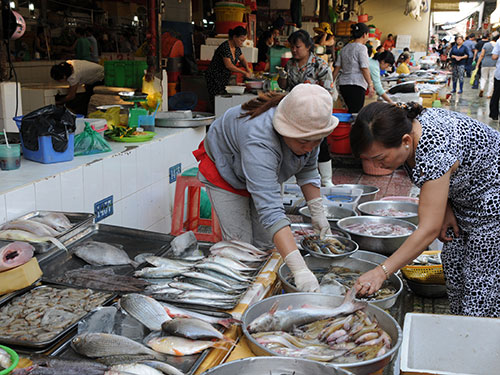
(217, 75)
(472, 261)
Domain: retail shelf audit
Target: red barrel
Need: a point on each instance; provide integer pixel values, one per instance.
(339, 139)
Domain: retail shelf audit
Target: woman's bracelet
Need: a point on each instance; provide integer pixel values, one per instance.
(386, 271)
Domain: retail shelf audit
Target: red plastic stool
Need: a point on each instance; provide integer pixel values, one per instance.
(193, 221)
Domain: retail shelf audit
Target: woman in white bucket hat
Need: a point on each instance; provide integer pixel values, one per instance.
(252, 149)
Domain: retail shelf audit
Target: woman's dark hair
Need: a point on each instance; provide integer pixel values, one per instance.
(261, 104)
(358, 30)
(61, 71)
(386, 57)
(382, 122)
(237, 32)
(264, 37)
(304, 37)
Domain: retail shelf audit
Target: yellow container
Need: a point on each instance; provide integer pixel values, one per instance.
(20, 277)
(229, 13)
(429, 274)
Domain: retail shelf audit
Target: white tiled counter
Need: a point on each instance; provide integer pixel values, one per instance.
(135, 174)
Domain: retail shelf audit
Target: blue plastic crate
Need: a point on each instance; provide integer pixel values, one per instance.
(46, 153)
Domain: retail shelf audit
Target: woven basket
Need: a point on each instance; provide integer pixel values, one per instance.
(232, 12)
(429, 274)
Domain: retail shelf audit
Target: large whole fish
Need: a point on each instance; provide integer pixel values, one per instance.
(102, 280)
(180, 346)
(96, 345)
(102, 254)
(22, 235)
(136, 368)
(233, 264)
(177, 312)
(217, 267)
(56, 220)
(191, 328)
(286, 320)
(37, 228)
(15, 254)
(145, 309)
(163, 367)
(245, 246)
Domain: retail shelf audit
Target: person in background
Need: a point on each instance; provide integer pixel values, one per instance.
(470, 44)
(82, 45)
(264, 45)
(325, 38)
(42, 42)
(378, 50)
(389, 43)
(76, 73)
(94, 54)
(378, 63)
(458, 55)
(353, 69)
(250, 151)
(224, 62)
(306, 67)
(403, 63)
(485, 38)
(487, 65)
(454, 161)
(495, 98)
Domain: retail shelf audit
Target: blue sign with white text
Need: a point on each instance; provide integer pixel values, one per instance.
(103, 208)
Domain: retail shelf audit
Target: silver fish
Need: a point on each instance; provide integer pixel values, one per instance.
(177, 312)
(179, 346)
(237, 254)
(217, 267)
(164, 367)
(223, 305)
(239, 245)
(145, 309)
(285, 320)
(95, 345)
(191, 328)
(35, 227)
(22, 235)
(162, 288)
(159, 272)
(210, 285)
(56, 220)
(207, 294)
(136, 368)
(102, 254)
(210, 278)
(231, 263)
(186, 286)
(167, 262)
(329, 285)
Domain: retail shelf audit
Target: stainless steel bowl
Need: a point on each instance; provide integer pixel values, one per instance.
(368, 208)
(297, 300)
(427, 290)
(369, 192)
(351, 248)
(352, 263)
(333, 214)
(275, 366)
(369, 256)
(379, 244)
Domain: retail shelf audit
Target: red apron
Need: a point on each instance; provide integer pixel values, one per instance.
(209, 170)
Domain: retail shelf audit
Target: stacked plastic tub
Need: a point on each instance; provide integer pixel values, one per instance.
(339, 139)
(228, 15)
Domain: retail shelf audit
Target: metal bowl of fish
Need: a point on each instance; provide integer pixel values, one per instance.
(275, 366)
(330, 247)
(396, 209)
(382, 235)
(369, 192)
(369, 256)
(344, 271)
(315, 326)
(333, 214)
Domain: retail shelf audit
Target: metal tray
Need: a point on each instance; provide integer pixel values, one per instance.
(187, 364)
(53, 341)
(79, 220)
(199, 119)
(134, 242)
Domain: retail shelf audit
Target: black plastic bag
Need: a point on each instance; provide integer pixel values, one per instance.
(54, 121)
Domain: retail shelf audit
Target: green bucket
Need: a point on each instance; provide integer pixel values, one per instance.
(14, 358)
(205, 205)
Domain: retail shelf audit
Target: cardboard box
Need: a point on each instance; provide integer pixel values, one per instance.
(450, 345)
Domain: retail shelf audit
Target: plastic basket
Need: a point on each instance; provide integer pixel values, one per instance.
(14, 357)
(229, 12)
(46, 153)
(124, 73)
(429, 274)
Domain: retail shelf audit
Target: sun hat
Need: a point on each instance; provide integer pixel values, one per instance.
(324, 27)
(305, 112)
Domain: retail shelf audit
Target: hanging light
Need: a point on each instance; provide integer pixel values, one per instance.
(31, 7)
(12, 4)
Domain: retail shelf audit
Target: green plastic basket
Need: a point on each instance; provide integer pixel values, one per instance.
(124, 73)
(13, 356)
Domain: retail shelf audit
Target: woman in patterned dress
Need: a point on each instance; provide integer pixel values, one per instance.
(224, 61)
(455, 161)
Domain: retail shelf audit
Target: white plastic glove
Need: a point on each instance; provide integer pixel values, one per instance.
(304, 278)
(318, 217)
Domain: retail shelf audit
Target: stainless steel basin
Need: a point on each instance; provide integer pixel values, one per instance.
(369, 192)
(369, 208)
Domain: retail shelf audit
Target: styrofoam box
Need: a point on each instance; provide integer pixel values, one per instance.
(292, 196)
(250, 53)
(450, 345)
